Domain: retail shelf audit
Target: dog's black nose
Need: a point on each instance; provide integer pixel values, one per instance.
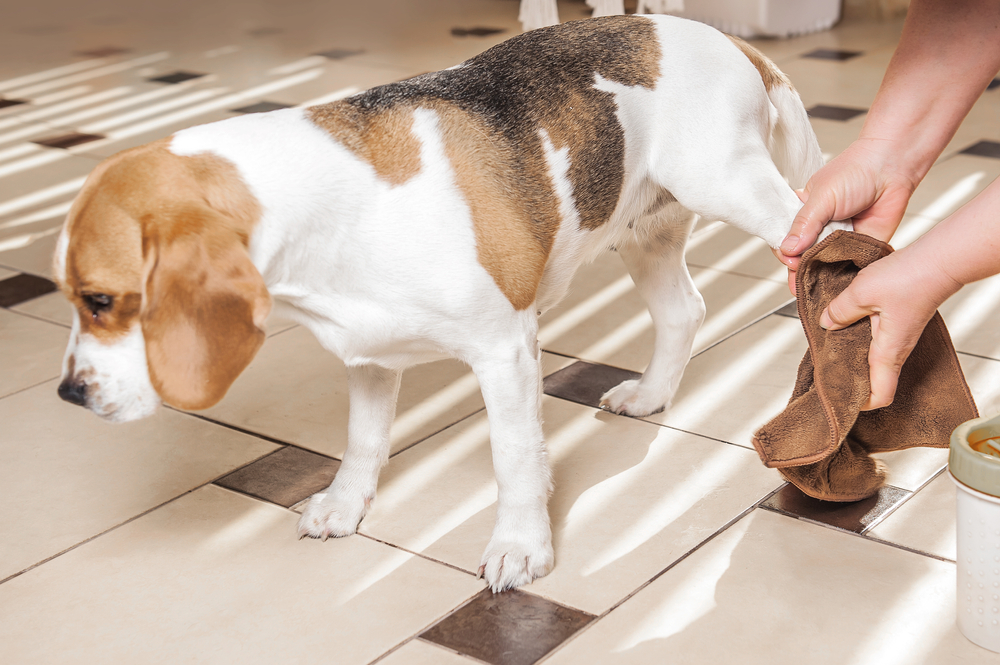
(74, 392)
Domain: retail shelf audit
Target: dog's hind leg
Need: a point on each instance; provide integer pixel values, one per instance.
(337, 510)
(662, 279)
(520, 548)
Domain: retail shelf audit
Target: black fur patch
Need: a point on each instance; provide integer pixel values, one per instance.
(544, 79)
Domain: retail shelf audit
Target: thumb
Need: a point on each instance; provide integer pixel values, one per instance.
(843, 311)
(818, 209)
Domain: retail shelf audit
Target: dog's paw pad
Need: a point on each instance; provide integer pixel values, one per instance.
(324, 518)
(631, 398)
(510, 565)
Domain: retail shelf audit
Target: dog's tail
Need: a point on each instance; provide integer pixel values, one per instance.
(792, 144)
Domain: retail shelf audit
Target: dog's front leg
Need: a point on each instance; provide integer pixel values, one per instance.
(339, 509)
(521, 546)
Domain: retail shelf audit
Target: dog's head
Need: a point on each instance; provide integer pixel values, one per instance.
(167, 305)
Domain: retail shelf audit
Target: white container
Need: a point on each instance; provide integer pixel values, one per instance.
(764, 18)
(977, 479)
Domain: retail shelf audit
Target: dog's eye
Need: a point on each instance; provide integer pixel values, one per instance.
(97, 302)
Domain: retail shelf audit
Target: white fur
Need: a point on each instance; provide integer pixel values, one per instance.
(387, 276)
(115, 371)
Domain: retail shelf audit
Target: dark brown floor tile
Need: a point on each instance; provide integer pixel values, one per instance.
(284, 477)
(841, 113)
(262, 107)
(177, 77)
(339, 53)
(105, 52)
(264, 32)
(21, 288)
(68, 140)
(7, 103)
(791, 308)
(857, 516)
(831, 54)
(510, 628)
(476, 32)
(585, 383)
(984, 149)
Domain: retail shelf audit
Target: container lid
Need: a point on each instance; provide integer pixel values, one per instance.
(975, 454)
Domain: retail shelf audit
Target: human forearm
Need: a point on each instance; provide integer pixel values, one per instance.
(965, 247)
(946, 56)
(948, 53)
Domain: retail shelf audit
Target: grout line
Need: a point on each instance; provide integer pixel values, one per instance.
(772, 280)
(899, 505)
(911, 550)
(862, 536)
(121, 524)
(254, 496)
(418, 554)
(837, 528)
(737, 332)
(975, 355)
(27, 272)
(464, 656)
(256, 435)
(34, 385)
(236, 428)
(462, 419)
(35, 316)
(655, 577)
(436, 621)
(560, 354)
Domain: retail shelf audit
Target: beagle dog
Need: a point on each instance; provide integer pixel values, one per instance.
(435, 217)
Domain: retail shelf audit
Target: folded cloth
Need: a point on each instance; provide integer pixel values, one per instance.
(822, 442)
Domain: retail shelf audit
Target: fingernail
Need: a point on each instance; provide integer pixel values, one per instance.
(825, 321)
(789, 243)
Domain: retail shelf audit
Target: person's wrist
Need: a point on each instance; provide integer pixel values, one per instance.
(896, 156)
(929, 272)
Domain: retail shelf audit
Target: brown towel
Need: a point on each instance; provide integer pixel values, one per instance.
(822, 442)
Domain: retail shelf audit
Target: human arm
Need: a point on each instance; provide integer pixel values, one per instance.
(902, 291)
(948, 53)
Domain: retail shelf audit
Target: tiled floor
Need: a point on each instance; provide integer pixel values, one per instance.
(173, 539)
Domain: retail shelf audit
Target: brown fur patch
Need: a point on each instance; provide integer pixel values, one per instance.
(514, 234)
(384, 140)
(769, 72)
(147, 218)
(492, 110)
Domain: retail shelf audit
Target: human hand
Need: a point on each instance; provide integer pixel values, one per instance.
(900, 296)
(860, 184)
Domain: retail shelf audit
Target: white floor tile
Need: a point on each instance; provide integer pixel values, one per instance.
(66, 475)
(219, 577)
(776, 590)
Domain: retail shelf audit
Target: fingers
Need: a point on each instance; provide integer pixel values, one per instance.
(885, 354)
(885, 358)
(791, 262)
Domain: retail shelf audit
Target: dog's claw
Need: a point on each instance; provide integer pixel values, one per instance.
(481, 572)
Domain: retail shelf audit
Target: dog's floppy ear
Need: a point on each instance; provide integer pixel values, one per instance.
(204, 305)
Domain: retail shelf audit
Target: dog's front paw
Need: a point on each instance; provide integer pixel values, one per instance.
(508, 565)
(631, 398)
(327, 516)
